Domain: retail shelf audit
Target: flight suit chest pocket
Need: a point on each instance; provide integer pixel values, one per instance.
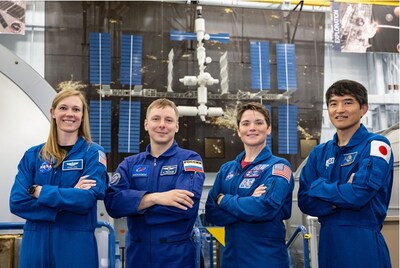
(168, 177)
(44, 173)
(140, 176)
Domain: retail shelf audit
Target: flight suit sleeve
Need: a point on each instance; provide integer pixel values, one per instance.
(121, 200)
(21, 203)
(187, 180)
(79, 200)
(375, 171)
(214, 214)
(279, 184)
(308, 203)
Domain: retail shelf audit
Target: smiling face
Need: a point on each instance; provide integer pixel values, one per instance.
(162, 124)
(345, 112)
(68, 115)
(253, 128)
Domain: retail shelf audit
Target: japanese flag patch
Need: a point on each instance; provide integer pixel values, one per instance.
(381, 149)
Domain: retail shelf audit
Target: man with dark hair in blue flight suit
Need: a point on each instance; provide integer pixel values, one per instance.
(347, 184)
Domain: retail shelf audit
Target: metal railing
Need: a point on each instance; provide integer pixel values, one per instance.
(205, 237)
(306, 236)
(111, 236)
(198, 243)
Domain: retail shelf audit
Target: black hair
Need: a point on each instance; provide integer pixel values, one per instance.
(347, 87)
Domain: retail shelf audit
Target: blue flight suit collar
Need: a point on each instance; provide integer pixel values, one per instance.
(168, 153)
(359, 136)
(264, 154)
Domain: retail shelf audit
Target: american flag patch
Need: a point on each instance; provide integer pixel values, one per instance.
(102, 158)
(282, 170)
(193, 165)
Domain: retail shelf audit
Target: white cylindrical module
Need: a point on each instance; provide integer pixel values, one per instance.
(215, 111)
(187, 111)
(189, 80)
(202, 111)
(201, 55)
(202, 95)
(200, 27)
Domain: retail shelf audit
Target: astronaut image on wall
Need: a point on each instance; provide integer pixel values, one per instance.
(360, 28)
(12, 17)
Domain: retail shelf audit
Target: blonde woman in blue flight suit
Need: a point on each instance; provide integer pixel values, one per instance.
(251, 197)
(56, 190)
(347, 184)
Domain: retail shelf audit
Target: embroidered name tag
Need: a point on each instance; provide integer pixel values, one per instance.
(252, 173)
(168, 170)
(348, 159)
(72, 165)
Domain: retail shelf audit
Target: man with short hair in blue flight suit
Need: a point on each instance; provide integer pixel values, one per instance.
(347, 184)
(159, 191)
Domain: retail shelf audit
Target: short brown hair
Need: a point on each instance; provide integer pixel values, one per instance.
(254, 106)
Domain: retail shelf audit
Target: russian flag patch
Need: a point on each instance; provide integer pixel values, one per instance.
(193, 165)
(381, 149)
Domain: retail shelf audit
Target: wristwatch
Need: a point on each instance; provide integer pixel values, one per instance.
(31, 190)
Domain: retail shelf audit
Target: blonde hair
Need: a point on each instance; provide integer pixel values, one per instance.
(51, 151)
(162, 103)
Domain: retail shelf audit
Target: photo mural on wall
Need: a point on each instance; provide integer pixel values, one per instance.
(364, 28)
(287, 47)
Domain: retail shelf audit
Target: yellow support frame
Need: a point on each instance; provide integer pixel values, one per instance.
(328, 3)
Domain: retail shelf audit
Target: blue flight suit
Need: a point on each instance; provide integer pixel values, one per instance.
(254, 228)
(159, 236)
(351, 214)
(60, 224)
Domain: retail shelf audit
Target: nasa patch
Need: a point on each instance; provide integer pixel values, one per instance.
(45, 167)
(230, 176)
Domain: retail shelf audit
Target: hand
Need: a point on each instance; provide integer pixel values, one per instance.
(85, 184)
(219, 198)
(260, 190)
(181, 199)
(351, 178)
(38, 189)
